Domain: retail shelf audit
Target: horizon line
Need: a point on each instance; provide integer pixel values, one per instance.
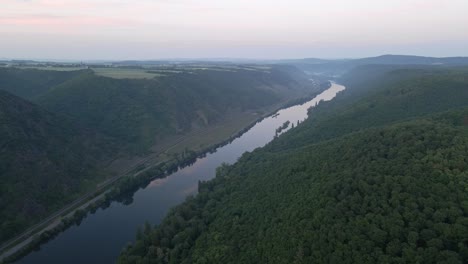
(220, 59)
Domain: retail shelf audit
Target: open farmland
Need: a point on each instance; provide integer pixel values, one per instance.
(125, 73)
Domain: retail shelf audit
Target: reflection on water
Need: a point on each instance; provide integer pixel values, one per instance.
(190, 190)
(101, 236)
(157, 182)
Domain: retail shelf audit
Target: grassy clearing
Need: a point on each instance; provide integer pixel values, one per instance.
(123, 73)
(51, 68)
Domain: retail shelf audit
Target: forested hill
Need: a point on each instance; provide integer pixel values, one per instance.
(45, 161)
(142, 112)
(145, 111)
(339, 67)
(379, 95)
(31, 83)
(58, 141)
(378, 176)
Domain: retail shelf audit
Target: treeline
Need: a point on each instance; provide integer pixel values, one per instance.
(366, 181)
(124, 189)
(282, 127)
(46, 161)
(63, 128)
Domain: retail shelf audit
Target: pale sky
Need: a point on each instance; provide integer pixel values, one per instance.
(159, 29)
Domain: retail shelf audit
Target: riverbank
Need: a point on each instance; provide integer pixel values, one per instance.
(119, 188)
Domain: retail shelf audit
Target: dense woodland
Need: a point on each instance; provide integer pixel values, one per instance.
(338, 67)
(141, 112)
(379, 175)
(45, 161)
(60, 129)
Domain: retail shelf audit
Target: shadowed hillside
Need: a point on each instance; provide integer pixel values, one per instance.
(31, 83)
(45, 161)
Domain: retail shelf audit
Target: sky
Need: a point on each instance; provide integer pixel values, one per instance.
(257, 29)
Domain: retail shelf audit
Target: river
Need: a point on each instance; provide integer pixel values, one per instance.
(101, 236)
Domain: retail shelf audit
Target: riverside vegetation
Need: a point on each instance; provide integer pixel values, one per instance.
(378, 175)
(61, 129)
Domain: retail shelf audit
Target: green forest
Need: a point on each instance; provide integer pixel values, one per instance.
(378, 175)
(59, 130)
(45, 162)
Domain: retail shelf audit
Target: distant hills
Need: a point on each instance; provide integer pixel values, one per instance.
(396, 59)
(382, 59)
(405, 59)
(339, 67)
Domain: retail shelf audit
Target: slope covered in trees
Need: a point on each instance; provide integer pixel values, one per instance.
(142, 112)
(57, 145)
(31, 83)
(45, 161)
(145, 111)
(339, 67)
(378, 95)
(379, 178)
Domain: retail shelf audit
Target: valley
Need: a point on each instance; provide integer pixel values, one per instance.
(159, 194)
(143, 146)
(376, 175)
(233, 132)
(210, 141)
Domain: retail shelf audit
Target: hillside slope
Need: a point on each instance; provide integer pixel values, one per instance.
(339, 67)
(62, 145)
(379, 95)
(382, 184)
(45, 161)
(143, 112)
(31, 83)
